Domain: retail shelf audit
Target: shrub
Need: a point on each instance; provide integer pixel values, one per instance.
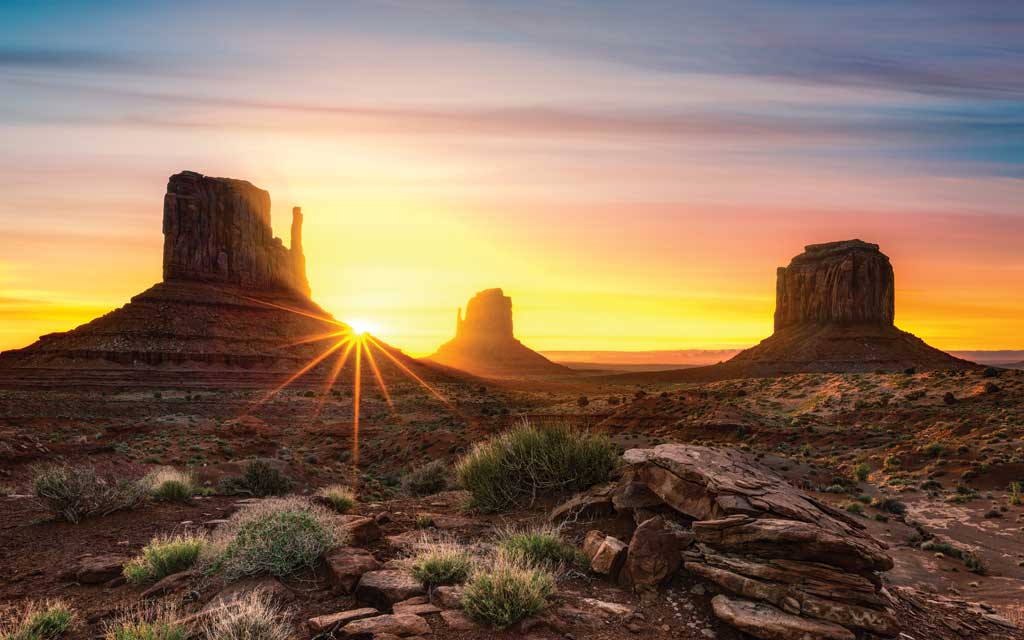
(427, 479)
(157, 622)
(506, 591)
(540, 545)
(163, 556)
(970, 560)
(76, 492)
(278, 537)
(528, 460)
(990, 372)
(949, 398)
(258, 478)
(339, 497)
(1017, 493)
(890, 505)
(250, 617)
(892, 462)
(861, 471)
(854, 507)
(582, 401)
(170, 485)
(441, 563)
(38, 621)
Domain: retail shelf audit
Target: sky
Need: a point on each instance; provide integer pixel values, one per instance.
(630, 173)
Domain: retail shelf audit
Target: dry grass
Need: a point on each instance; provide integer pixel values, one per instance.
(506, 590)
(163, 556)
(38, 620)
(340, 497)
(441, 562)
(147, 622)
(254, 616)
(75, 492)
(170, 484)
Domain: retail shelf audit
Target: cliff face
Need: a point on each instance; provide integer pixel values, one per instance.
(218, 230)
(488, 317)
(842, 283)
(484, 344)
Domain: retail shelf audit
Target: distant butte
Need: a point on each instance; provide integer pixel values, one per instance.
(234, 306)
(834, 313)
(484, 343)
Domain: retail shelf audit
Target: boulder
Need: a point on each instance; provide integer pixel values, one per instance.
(330, 622)
(384, 588)
(361, 530)
(608, 557)
(447, 597)
(401, 625)
(458, 621)
(95, 569)
(769, 623)
(346, 565)
(654, 555)
(592, 541)
(169, 584)
(589, 505)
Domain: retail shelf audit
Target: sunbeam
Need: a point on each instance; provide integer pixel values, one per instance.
(376, 374)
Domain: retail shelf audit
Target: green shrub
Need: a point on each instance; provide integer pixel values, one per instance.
(258, 478)
(163, 556)
(506, 591)
(892, 462)
(278, 537)
(169, 484)
(890, 505)
(250, 617)
(427, 479)
(38, 621)
(76, 492)
(854, 507)
(441, 563)
(154, 622)
(339, 497)
(861, 471)
(970, 560)
(540, 546)
(529, 460)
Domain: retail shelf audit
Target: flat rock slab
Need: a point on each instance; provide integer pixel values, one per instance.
(447, 597)
(458, 621)
(769, 623)
(360, 529)
(384, 588)
(401, 625)
(330, 622)
(169, 584)
(95, 569)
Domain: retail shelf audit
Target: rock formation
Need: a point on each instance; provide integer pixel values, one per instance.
(485, 345)
(233, 299)
(843, 283)
(788, 564)
(834, 313)
(218, 230)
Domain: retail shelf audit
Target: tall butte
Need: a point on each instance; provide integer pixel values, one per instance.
(834, 312)
(234, 306)
(485, 345)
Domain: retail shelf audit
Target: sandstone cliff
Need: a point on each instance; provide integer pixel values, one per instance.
(843, 283)
(485, 345)
(218, 230)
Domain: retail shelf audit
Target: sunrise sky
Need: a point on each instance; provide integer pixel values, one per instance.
(630, 173)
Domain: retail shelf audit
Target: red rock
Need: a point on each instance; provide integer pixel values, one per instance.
(655, 554)
(384, 588)
(346, 565)
(609, 557)
(447, 597)
(95, 569)
(330, 622)
(458, 621)
(360, 529)
(169, 584)
(397, 624)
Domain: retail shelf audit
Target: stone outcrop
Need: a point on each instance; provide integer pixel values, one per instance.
(848, 282)
(218, 230)
(790, 565)
(484, 343)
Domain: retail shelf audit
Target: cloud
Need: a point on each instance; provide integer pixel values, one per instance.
(66, 59)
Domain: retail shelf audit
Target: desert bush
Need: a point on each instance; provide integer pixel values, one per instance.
(169, 484)
(163, 556)
(443, 562)
(529, 460)
(427, 479)
(76, 492)
(147, 622)
(540, 545)
(890, 505)
(970, 560)
(892, 462)
(38, 620)
(990, 372)
(277, 537)
(506, 590)
(253, 616)
(258, 478)
(861, 471)
(339, 497)
(854, 507)
(1016, 493)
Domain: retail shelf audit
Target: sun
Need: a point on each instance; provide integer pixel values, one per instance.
(361, 327)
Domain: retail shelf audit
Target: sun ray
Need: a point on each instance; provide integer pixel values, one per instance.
(356, 393)
(412, 374)
(295, 376)
(376, 374)
(300, 312)
(333, 377)
(316, 338)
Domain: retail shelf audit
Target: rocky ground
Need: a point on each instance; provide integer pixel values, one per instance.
(916, 459)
